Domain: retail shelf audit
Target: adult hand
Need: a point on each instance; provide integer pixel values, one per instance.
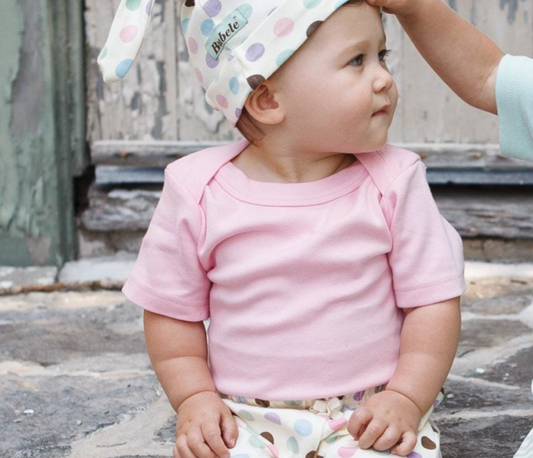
(401, 7)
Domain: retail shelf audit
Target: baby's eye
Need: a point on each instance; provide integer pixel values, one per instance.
(383, 54)
(357, 61)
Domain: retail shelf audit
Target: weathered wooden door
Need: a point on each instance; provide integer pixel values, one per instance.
(42, 129)
(159, 112)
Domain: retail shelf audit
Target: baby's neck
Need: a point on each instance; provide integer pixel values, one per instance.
(289, 167)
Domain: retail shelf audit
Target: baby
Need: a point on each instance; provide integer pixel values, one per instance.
(331, 281)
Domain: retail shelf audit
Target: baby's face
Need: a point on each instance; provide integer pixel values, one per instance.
(336, 90)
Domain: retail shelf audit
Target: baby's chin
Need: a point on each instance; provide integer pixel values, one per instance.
(370, 147)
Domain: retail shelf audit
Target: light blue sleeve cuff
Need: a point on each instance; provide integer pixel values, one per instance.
(514, 99)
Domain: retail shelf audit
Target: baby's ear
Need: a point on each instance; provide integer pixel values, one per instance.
(263, 105)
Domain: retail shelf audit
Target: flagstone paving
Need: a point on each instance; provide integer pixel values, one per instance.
(75, 380)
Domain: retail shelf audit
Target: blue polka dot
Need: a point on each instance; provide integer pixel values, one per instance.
(207, 27)
(241, 400)
(311, 3)
(303, 427)
(246, 10)
(292, 445)
(331, 439)
(282, 58)
(245, 414)
(234, 85)
(123, 68)
(238, 113)
(185, 25)
(103, 54)
(133, 5)
(256, 442)
(339, 4)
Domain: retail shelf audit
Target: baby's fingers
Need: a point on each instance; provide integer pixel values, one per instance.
(359, 421)
(213, 437)
(372, 433)
(388, 439)
(230, 431)
(406, 445)
(182, 449)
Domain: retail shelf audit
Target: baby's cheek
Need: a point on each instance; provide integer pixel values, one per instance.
(393, 96)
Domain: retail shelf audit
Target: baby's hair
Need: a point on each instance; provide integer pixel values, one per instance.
(246, 124)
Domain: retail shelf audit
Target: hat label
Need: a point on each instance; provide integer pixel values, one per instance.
(224, 32)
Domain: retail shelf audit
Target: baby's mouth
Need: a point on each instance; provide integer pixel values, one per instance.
(383, 111)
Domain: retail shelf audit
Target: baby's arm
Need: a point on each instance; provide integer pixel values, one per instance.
(429, 340)
(465, 58)
(178, 352)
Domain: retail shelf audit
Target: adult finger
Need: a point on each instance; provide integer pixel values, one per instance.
(372, 433)
(388, 439)
(230, 431)
(175, 452)
(406, 445)
(213, 437)
(376, 2)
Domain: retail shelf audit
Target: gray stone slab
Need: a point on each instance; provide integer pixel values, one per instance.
(468, 395)
(59, 300)
(476, 334)
(109, 271)
(50, 337)
(12, 278)
(493, 437)
(497, 296)
(62, 409)
(516, 370)
(76, 363)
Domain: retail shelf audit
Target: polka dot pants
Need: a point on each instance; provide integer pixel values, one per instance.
(312, 428)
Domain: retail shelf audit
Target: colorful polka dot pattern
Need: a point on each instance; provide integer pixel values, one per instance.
(125, 38)
(273, 32)
(274, 429)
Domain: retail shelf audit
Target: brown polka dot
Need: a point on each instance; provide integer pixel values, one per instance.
(311, 454)
(189, 3)
(269, 437)
(255, 81)
(428, 443)
(442, 391)
(262, 403)
(312, 28)
(434, 428)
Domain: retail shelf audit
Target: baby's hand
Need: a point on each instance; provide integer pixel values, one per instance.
(388, 420)
(401, 7)
(205, 429)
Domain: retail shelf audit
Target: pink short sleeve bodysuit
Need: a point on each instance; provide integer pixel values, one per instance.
(303, 282)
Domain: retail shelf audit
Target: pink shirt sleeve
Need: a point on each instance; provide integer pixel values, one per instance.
(427, 255)
(168, 277)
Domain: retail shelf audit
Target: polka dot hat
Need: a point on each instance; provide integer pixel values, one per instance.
(233, 45)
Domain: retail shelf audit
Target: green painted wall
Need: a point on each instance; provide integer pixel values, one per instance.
(41, 130)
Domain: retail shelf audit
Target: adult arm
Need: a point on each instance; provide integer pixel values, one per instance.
(464, 57)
